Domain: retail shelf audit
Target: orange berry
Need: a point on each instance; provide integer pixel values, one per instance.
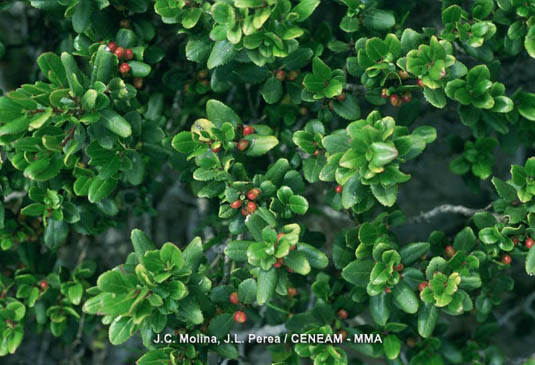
(342, 314)
(234, 298)
(240, 317)
(235, 204)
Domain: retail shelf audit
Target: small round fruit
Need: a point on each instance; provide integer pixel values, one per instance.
(422, 285)
(292, 75)
(243, 144)
(279, 236)
(388, 290)
(343, 333)
(202, 74)
(234, 297)
(398, 267)
(240, 317)
(316, 152)
(342, 314)
(395, 100)
(280, 75)
(338, 189)
(515, 241)
(506, 259)
(292, 292)
(216, 149)
(124, 68)
(124, 23)
(529, 242)
(384, 93)
(248, 130)
(119, 52)
(278, 263)
(407, 97)
(112, 46)
(253, 194)
(251, 207)
(235, 204)
(420, 83)
(138, 82)
(450, 251)
(244, 212)
(43, 284)
(403, 74)
(341, 97)
(129, 54)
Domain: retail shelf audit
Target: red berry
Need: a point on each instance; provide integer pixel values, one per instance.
(124, 68)
(244, 212)
(278, 263)
(235, 204)
(119, 52)
(234, 298)
(243, 144)
(138, 82)
(338, 189)
(407, 97)
(395, 100)
(292, 292)
(316, 152)
(403, 74)
(248, 130)
(251, 207)
(422, 285)
(398, 267)
(515, 241)
(341, 97)
(506, 259)
(529, 242)
(342, 314)
(128, 54)
(293, 247)
(43, 284)
(450, 251)
(253, 194)
(384, 93)
(420, 83)
(280, 75)
(279, 236)
(388, 290)
(240, 317)
(112, 46)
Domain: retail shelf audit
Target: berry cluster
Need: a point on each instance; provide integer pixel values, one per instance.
(124, 67)
(250, 206)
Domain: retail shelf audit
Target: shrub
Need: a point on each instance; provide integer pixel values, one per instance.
(290, 126)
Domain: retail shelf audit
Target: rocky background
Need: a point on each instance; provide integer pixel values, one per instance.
(435, 199)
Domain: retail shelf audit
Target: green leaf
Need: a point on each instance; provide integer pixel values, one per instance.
(405, 298)
(154, 357)
(348, 109)
(115, 123)
(380, 20)
(219, 113)
(435, 97)
(383, 153)
(413, 251)
(387, 196)
(112, 281)
(55, 233)
(380, 308)
(120, 330)
(141, 243)
(305, 8)
(526, 105)
(170, 253)
(298, 262)
(506, 191)
(15, 126)
(530, 261)
(260, 145)
(392, 346)
(100, 189)
(298, 204)
(73, 74)
(247, 291)
(272, 90)
(221, 54)
(221, 325)
(358, 272)
(82, 16)
(427, 320)
(267, 282)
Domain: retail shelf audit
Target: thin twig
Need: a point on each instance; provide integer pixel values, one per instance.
(447, 208)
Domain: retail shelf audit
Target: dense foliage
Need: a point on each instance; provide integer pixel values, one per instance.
(275, 113)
